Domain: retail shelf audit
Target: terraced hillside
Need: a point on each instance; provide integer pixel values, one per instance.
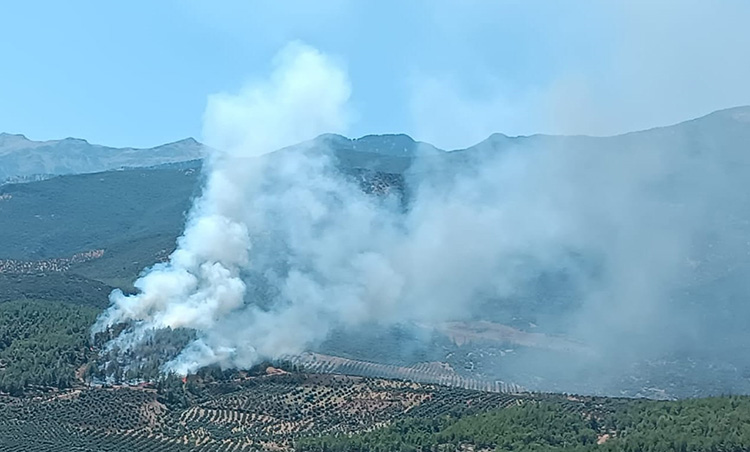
(266, 412)
(315, 412)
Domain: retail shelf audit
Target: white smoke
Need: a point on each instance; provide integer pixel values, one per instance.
(281, 249)
(201, 284)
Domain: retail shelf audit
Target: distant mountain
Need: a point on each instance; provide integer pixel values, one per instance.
(24, 160)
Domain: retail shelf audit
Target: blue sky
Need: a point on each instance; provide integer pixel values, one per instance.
(138, 73)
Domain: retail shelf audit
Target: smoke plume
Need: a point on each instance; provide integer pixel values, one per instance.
(282, 249)
(201, 287)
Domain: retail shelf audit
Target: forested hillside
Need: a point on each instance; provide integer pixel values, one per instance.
(717, 424)
(60, 217)
(43, 343)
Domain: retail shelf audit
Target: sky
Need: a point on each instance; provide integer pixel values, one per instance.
(449, 72)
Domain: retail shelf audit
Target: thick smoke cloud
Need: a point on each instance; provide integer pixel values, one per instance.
(282, 249)
(201, 285)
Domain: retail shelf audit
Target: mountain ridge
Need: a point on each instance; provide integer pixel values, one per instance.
(24, 160)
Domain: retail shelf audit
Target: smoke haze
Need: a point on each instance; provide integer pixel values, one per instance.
(282, 249)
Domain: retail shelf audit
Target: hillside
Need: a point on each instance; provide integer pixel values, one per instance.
(66, 215)
(462, 385)
(49, 402)
(290, 411)
(88, 233)
(557, 424)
